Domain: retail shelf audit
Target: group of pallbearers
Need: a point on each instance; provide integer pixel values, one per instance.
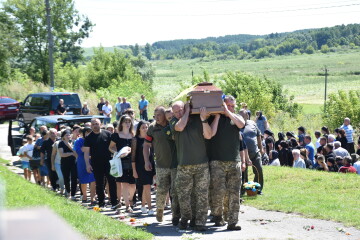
(197, 159)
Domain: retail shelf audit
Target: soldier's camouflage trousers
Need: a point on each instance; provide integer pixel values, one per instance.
(225, 184)
(165, 181)
(192, 184)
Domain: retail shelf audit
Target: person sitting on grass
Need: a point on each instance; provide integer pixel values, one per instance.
(332, 165)
(347, 168)
(304, 155)
(321, 164)
(339, 150)
(274, 158)
(25, 153)
(356, 162)
(339, 162)
(298, 161)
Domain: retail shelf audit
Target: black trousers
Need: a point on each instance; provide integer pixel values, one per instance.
(68, 169)
(351, 148)
(258, 172)
(52, 175)
(100, 171)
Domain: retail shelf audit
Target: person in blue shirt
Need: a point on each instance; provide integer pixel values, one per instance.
(143, 105)
(311, 150)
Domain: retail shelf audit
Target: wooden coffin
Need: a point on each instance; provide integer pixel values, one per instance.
(206, 95)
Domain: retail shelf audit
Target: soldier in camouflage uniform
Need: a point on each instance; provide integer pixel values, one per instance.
(225, 164)
(159, 136)
(190, 133)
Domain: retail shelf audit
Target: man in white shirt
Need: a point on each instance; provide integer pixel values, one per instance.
(107, 110)
(339, 151)
(349, 135)
(298, 161)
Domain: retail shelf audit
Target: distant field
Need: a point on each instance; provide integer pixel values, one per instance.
(302, 76)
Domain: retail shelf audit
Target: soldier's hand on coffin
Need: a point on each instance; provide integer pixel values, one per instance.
(203, 114)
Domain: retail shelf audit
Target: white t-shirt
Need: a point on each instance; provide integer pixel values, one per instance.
(275, 162)
(28, 148)
(57, 156)
(106, 109)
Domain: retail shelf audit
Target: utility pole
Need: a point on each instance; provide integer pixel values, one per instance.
(51, 45)
(326, 75)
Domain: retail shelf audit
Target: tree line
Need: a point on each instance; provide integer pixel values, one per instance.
(252, 46)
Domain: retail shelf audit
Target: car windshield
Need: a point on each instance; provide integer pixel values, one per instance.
(70, 100)
(7, 100)
(38, 123)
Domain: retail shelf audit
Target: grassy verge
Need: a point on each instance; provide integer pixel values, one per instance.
(93, 225)
(315, 194)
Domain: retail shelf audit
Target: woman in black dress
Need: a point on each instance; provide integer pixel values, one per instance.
(126, 183)
(144, 178)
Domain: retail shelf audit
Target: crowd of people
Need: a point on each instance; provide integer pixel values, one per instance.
(198, 160)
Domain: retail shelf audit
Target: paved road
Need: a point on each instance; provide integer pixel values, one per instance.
(256, 224)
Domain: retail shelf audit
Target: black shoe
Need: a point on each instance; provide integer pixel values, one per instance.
(199, 228)
(183, 225)
(114, 207)
(175, 221)
(219, 222)
(101, 205)
(234, 227)
(83, 201)
(260, 193)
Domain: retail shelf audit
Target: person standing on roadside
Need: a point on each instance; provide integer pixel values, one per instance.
(190, 132)
(96, 145)
(349, 131)
(158, 137)
(225, 164)
(85, 109)
(100, 105)
(124, 105)
(61, 108)
(252, 138)
(45, 156)
(118, 109)
(143, 105)
(107, 110)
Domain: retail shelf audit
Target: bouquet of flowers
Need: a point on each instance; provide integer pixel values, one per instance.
(251, 188)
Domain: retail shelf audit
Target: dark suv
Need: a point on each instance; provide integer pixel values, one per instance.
(18, 130)
(42, 104)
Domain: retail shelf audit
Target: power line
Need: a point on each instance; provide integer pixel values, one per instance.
(236, 13)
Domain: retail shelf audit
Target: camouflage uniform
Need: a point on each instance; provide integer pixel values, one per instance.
(226, 181)
(165, 181)
(189, 178)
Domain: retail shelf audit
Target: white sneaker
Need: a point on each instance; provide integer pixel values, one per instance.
(144, 210)
(151, 212)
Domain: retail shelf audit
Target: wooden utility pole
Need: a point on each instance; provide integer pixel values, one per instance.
(51, 45)
(325, 97)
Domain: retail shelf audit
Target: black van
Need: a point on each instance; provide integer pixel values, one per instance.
(42, 104)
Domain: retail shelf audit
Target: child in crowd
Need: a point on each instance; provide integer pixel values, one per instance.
(25, 153)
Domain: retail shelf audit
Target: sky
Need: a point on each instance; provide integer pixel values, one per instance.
(126, 22)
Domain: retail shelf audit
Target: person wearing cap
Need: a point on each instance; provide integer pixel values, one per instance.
(301, 135)
(349, 135)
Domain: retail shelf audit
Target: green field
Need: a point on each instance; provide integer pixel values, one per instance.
(302, 75)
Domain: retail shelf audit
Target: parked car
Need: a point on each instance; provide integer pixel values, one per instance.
(42, 104)
(18, 130)
(8, 108)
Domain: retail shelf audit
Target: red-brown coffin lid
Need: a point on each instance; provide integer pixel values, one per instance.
(206, 87)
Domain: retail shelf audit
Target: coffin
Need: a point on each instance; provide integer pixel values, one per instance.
(206, 95)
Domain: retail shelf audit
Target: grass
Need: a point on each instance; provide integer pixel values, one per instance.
(21, 193)
(302, 76)
(314, 194)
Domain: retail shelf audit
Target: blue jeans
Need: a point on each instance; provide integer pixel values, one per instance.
(143, 115)
(60, 175)
(106, 120)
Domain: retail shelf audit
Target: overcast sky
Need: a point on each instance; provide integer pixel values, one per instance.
(125, 22)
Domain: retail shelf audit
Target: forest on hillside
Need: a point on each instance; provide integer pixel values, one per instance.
(244, 46)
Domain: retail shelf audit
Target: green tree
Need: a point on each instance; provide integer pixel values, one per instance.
(9, 44)
(135, 50)
(69, 28)
(325, 48)
(309, 50)
(148, 54)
